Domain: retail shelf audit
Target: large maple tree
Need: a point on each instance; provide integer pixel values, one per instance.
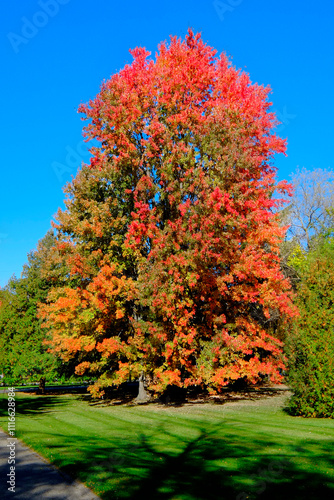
(170, 236)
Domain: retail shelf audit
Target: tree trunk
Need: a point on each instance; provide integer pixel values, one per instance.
(142, 394)
(41, 388)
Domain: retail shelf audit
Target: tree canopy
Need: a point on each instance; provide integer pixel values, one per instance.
(310, 213)
(170, 237)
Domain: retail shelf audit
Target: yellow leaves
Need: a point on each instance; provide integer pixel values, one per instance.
(298, 258)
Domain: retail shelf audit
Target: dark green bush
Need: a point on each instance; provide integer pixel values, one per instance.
(310, 342)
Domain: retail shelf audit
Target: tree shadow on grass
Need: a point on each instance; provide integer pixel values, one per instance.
(232, 396)
(208, 467)
(187, 477)
(34, 405)
(125, 396)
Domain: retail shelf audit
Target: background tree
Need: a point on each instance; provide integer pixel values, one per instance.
(24, 356)
(310, 342)
(310, 216)
(310, 212)
(170, 236)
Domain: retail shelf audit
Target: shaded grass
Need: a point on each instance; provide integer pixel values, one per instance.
(192, 452)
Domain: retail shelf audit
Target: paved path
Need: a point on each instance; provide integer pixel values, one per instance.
(35, 478)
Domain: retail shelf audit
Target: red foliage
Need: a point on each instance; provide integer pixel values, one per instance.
(191, 271)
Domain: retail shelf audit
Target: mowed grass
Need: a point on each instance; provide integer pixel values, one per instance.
(247, 449)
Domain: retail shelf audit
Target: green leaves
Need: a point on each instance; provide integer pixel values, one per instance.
(24, 356)
(310, 343)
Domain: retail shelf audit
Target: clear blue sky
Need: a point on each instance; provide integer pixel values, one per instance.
(56, 58)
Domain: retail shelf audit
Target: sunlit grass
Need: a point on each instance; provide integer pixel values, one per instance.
(200, 451)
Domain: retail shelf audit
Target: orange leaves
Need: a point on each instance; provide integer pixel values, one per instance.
(67, 348)
(108, 346)
(107, 285)
(169, 351)
(82, 368)
(166, 378)
(223, 376)
(94, 309)
(119, 314)
(90, 347)
(171, 251)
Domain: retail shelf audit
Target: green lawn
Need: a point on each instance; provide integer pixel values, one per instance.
(248, 449)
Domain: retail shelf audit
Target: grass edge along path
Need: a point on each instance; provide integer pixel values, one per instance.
(248, 449)
(34, 476)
